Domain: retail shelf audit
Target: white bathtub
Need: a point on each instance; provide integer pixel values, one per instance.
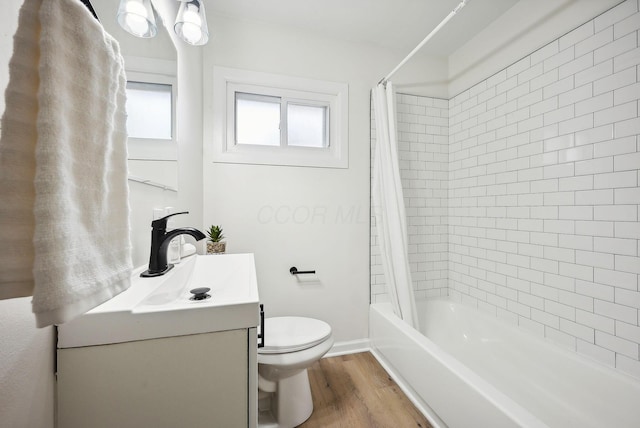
(469, 369)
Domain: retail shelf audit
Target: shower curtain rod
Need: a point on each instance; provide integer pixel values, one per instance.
(462, 4)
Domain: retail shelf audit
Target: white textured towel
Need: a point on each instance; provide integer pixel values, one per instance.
(64, 210)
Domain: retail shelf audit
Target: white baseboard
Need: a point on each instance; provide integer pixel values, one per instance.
(348, 347)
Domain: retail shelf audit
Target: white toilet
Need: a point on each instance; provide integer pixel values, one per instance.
(291, 345)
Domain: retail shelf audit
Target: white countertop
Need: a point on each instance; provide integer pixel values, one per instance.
(160, 307)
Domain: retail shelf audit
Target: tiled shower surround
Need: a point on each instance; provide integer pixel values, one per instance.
(423, 155)
(543, 202)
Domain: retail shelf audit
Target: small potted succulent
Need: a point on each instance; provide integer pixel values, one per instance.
(215, 244)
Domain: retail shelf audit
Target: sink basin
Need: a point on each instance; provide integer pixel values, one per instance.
(162, 306)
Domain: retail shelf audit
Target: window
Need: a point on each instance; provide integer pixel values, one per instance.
(257, 120)
(151, 121)
(260, 119)
(151, 118)
(307, 125)
(278, 120)
(149, 110)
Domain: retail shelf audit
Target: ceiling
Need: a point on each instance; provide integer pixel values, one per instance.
(394, 24)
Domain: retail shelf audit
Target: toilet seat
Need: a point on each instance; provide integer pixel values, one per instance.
(292, 334)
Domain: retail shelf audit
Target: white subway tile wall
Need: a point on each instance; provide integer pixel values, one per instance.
(544, 191)
(533, 213)
(423, 155)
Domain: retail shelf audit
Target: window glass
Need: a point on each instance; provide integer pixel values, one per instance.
(149, 110)
(307, 125)
(257, 119)
(271, 119)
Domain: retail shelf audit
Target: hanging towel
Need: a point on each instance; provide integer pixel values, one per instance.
(64, 210)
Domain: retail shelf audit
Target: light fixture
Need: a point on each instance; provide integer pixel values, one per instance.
(136, 17)
(191, 22)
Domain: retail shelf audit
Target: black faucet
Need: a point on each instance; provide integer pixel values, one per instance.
(160, 240)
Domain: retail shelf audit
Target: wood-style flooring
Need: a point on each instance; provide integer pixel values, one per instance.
(354, 391)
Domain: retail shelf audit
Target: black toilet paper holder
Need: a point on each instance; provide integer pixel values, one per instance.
(294, 271)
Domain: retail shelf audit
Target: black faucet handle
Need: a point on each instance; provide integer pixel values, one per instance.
(161, 223)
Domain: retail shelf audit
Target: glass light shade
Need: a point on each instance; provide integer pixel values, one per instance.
(191, 23)
(136, 17)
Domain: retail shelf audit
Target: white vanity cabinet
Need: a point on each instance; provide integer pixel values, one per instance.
(156, 357)
(200, 380)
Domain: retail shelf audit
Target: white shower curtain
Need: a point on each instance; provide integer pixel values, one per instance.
(391, 220)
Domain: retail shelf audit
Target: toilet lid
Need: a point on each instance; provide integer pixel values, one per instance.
(290, 334)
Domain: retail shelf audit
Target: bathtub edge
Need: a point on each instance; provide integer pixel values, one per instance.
(411, 394)
(511, 415)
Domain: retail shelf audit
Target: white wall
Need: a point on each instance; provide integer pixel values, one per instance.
(527, 26)
(26, 353)
(331, 242)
